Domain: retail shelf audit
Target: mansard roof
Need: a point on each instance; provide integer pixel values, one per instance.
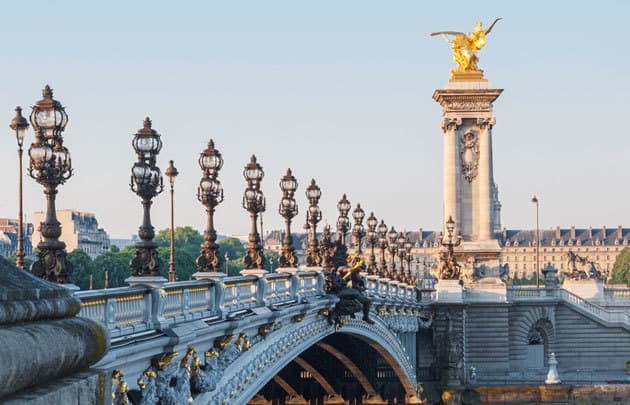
(566, 236)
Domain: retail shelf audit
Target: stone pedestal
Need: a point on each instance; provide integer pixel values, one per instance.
(449, 292)
(209, 275)
(490, 289)
(287, 270)
(590, 290)
(316, 269)
(151, 281)
(254, 272)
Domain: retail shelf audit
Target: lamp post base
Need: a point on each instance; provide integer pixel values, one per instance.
(151, 281)
(254, 272)
(209, 275)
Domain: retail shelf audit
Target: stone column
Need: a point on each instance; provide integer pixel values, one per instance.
(449, 126)
(485, 178)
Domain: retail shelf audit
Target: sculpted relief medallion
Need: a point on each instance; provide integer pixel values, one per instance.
(470, 155)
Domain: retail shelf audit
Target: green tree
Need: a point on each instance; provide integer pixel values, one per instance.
(114, 249)
(82, 268)
(621, 269)
(186, 239)
(236, 251)
(117, 267)
(185, 265)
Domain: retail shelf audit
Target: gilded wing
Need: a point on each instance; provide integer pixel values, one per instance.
(492, 25)
(448, 33)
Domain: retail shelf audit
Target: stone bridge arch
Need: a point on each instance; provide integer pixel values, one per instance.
(254, 368)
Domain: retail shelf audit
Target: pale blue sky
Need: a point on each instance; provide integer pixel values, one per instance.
(338, 91)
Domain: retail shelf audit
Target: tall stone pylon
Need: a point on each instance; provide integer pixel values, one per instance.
(470, 193)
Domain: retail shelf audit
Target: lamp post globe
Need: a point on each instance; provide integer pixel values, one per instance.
(51, 166)
(19, 125)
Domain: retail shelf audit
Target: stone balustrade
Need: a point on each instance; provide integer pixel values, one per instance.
(130, 310)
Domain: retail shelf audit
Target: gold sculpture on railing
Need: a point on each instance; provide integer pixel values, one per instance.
(465, 47)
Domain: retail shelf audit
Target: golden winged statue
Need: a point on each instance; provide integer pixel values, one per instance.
(465, 46)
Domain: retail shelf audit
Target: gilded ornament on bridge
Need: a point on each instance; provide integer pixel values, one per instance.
(470, 155)
(465, 47)
(120, 389)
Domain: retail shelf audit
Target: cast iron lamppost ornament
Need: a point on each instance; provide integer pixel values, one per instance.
(313, 216)
(146, 182)
(288, 209)
(171, 172)
(393, 249)
(372, 238)
(449, 268)
(327, 249)
(382, 244)
(50, 165)
(19, 125)
(254, 203)
(401, 256)
(210, 194)
(343, 224)
(358, 230)
(535, 201)
(409, 256)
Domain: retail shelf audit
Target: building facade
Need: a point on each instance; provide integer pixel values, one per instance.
(9, 236)
(79, 230)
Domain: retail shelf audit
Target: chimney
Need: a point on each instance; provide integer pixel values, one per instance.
(619, 232)
(504, 233)
(572, 235)
(558, 233)
(420, 239)
(590, 232)
(604, 236)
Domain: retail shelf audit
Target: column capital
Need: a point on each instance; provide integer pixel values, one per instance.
(450, 123)
(486, 123)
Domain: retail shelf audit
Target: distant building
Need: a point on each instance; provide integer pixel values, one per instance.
(518, 248)
(79, 230)
(121, 243)
(8, 237)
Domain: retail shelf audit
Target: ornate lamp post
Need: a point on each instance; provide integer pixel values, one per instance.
(146, 182)
(401, 255)
(409, 256)
(372, 238)
(393, 249)
(535, 201)
(313, 216)
(171, 172)
(19, 125)
(254, 203)
(449, 268)
(343, 224)
(327, 249)
(210, 194)
(358, 230)
(288, 210)
(382, 244)
(50, 165)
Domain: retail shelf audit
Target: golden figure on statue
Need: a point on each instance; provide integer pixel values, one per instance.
(465, 46)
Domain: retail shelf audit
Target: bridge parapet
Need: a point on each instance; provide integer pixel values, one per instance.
(130, 310)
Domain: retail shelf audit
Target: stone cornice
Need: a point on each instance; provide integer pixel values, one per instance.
(466, 100)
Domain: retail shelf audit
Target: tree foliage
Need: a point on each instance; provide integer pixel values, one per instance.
(621, 268)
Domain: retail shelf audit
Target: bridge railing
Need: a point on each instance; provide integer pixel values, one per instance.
(129, 310)
(616, 317)
(617, 294)
(516, 293)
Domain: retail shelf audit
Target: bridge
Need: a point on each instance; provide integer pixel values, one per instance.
(256, 327)
(269, 339)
